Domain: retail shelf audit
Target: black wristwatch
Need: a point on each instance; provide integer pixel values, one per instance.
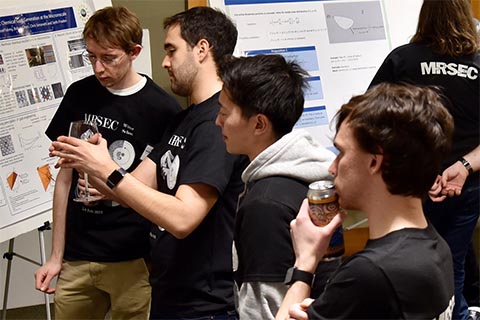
(115, 177)
(467, 165)
(295, 274)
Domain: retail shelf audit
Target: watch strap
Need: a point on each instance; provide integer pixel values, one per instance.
(294, 274)
(115, 177)
(467, 165)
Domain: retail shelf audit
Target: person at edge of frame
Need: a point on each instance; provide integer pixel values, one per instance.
(97, 243)
(444, 52)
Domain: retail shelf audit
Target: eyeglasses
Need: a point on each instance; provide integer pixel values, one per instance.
(107, 61)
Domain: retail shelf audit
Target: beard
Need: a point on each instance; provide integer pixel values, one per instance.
(183, 78)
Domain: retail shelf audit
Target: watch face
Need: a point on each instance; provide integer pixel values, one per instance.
(288, 276)
(293, 274)
(115, 177)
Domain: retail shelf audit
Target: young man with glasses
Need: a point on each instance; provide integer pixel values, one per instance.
(98, 248)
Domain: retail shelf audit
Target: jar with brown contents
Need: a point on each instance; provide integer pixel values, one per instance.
(323, 206)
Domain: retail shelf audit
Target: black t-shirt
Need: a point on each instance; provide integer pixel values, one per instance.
(458, 78)
(406, 274)
(193, 277)
(263, 224)
(262, 232)
(105, 231)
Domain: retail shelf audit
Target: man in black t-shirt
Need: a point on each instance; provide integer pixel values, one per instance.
(96, 244)
(188, 187)
(405, 271)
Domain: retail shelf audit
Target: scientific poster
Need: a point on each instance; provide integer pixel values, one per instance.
(340, 43)
(41, 54)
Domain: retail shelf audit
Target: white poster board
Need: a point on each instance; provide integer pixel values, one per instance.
(40, 56)
(340, 43)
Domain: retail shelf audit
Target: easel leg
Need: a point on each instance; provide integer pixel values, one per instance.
(9, 257)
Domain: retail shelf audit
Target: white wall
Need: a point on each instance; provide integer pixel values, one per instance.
(402, 19)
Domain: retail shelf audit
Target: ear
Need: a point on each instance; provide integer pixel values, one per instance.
(203, 48)
(135, 51)
(376, 163)
(262, 124)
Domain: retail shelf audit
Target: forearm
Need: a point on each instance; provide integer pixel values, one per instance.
(102, 187)
(473, 157)
(297, 292)
(60, 203)
(58, 238)
(310, 243)
(144, 172)
(179, 214)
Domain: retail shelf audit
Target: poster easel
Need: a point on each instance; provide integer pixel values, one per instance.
(9, 256)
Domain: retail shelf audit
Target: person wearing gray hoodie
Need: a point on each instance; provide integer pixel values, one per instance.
(261, 100)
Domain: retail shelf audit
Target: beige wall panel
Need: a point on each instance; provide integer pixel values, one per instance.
(196, 3)
(151, 14)
(476, 8)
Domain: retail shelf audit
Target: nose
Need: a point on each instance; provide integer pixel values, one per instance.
(166, 62)
(217, 121)
(333, 168)
(98, 66)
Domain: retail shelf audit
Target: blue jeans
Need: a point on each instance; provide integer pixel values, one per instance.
(455, 220)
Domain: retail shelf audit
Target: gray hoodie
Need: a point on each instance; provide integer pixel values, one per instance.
(296, 155)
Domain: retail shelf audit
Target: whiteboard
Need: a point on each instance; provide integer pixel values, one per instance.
(39, 58)
(67, 68)
(340, 43)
